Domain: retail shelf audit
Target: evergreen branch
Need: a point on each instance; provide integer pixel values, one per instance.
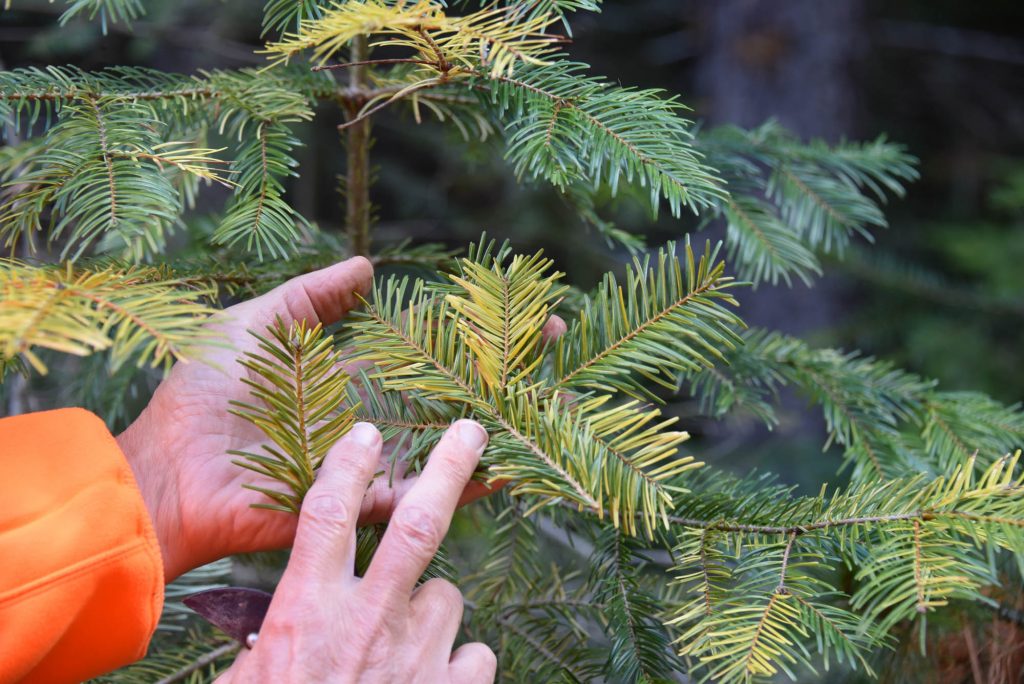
(532, 454)
(177, 155)
(486, 37)
(510, 566)
(95, 192)
(640, 647)
(636, 450)
(199, 659)
(415, 358)
(864, 401)
(475, 343)
(952, 500)
(567, 128)
(13, 365)
(552, 657)
(764, 624)
(208, 660)
(890, 422)
(763, 247)
(663, 321)
(913, 570)
(504, 310)
(541, 639)
(106, 170)
(227, 99)
(446, 99)
(839, 632)
(702, 568)
(790, 199)
(959, 425)
(441, 349)
(917, 542)
(411, 425)
(300, 389)
(432, 256)
(108, 11)
(529, 9)
(82, 311)
(259, 216)
(412, 352)
(282, 15)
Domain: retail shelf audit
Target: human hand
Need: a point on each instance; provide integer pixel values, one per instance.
(178, 446)
(325, 624)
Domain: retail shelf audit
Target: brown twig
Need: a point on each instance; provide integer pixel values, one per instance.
(357, 184)
(781, 589)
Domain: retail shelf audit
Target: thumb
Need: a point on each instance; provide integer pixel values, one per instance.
(322, 296)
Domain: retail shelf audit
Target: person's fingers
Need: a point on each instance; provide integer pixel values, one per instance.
(322, 296)
(421, 520)
(472, 664)
(325, 536)
(478, 490)
(385, 493)
(437, 613)
(381, 498)
(554, 328)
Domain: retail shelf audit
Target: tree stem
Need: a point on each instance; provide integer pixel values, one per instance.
(357, 185)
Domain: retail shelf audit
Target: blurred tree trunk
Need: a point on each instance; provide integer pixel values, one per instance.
(792, 60)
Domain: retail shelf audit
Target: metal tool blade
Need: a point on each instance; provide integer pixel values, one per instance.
(236, 611)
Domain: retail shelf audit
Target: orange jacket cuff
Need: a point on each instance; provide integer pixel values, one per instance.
(81, 577)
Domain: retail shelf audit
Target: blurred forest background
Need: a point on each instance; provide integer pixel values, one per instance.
(939, 294)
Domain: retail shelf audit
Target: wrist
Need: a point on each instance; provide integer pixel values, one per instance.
(157, 488)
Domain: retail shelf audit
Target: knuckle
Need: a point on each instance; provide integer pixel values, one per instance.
(484, 660)
(455, 468)
(287, 625)
(326, 511)
(452, 475)
(419, 529)
(345, 468)
(296, 301)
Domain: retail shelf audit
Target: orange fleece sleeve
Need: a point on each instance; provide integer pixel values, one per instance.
(81, 578)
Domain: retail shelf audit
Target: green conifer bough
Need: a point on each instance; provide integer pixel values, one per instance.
(611, 555)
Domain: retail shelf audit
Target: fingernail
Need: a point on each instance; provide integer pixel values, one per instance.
(364, 434)
(471, 434)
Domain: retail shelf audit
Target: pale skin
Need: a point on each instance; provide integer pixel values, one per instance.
(324, 623)
(327, 625)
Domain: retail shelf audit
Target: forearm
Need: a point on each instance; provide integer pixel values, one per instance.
(81, 585)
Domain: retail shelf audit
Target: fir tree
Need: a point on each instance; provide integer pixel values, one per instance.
(685, 570)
